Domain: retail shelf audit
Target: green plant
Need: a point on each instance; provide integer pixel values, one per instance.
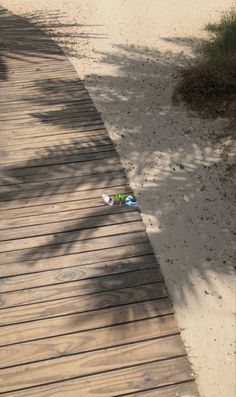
(209, 86)
(222, 35)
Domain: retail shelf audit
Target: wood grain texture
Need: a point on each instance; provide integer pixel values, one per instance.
(120, 382)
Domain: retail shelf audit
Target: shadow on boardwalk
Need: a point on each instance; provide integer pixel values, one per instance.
(47, 165)
(56, 161)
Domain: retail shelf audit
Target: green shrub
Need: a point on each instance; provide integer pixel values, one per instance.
(222, 35)
(210, 85)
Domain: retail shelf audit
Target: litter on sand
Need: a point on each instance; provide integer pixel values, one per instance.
(120, 199)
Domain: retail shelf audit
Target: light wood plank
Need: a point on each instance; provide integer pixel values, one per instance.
(56, 203)
(78, 213)
(187, 389)
(85, 321)
(79, 288)
(114, 217)
(116, 248)
(120, 382)
(89, 363)
(77, 304)
(85, 341)
(88, 229)
(75, 273)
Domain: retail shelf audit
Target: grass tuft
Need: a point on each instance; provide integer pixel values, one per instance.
(210, 85)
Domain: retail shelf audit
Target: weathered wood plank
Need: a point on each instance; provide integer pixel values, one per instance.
(27, 156)
(180, 389)
(75, 273)
(71, 185)
(63, 368)
(70, 105)
(12, 177)
(118, 383)
(36, 131)
(57, 203)
(116, 248)
(43, 139)
(85, 321)
(72, 214)
(89, 229)
(63, 184)
(86, 341)
(75, 225)
(100, 300)
(79, 288)
(58, 157)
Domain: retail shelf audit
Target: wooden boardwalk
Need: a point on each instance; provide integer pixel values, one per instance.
(84, 310)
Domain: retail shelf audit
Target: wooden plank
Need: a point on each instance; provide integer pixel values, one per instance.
(43, 91)
(80, 138)
(36, 131)
(85, 321)
(35, 95)
(129, 235)
(115, 249)
(12, 177)
(37, 102)
(71, 202)
(84, 364)
(14, 162)
(79, 288)
(50, 133)
(69, 185)
(78, 213)
(57, 106)
(118, 383)
(57, 157)
(119, 216)
(51, 115)
(39, 121)
(68, 182)
(75, 273)
(187, 389)
(62, 143)
(46, 66)
(41, 204)
(101, 300)
(86, 341)
(56, 109)
(89, 229)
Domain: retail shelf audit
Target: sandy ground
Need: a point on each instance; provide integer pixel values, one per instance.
(128, 52)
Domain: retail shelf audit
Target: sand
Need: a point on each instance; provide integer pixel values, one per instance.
(129, 52)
